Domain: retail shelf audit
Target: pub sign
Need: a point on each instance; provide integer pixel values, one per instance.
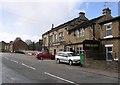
(91, 45)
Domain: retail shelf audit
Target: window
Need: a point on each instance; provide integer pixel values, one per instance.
(55, 37)
(80, 50)
(80, 33)
(44, 41)
(61, 49)
(109, 52)
(61, 36)
(51, 51)
(51, 38)
(108, 28)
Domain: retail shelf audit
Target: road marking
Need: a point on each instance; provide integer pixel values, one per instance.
(28, 66)
(14, 61)
(60, 78)
(6, 57)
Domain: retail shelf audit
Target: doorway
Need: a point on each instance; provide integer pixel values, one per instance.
(54, 51)
(109, 56)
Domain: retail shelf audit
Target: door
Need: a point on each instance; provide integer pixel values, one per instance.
(54, 51)
(109, 56)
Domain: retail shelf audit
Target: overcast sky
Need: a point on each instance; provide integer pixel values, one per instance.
(29, 19)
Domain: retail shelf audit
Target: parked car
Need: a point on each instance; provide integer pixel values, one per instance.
(20, 52)
(67, 57)
(42, 55)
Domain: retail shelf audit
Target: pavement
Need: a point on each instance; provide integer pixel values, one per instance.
(100, 72)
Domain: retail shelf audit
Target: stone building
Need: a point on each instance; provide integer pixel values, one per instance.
(2, 46)
(56, 39)
(81, 35)
(16, 45)
(110, 38)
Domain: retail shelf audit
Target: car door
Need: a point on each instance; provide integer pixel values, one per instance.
(65, 57)
(61, 57)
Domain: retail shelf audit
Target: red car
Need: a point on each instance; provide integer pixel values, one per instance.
(45, 55)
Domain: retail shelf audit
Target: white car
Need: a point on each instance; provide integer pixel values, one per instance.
(67, 57)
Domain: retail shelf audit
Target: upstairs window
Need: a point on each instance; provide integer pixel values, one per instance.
(61, 36)
(51, 38)
(80, 33)
(44, 40)
(55, 37)
(108, 28)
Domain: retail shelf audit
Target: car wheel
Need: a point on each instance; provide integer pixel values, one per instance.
(58, 61)
(52, 59)
(70, 62)
(41, 58)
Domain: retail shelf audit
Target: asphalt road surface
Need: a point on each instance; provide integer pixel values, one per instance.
(21, 68)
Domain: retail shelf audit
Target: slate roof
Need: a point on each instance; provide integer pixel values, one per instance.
(16, 40)
(86, 24)
(110, 20)
(60, 26)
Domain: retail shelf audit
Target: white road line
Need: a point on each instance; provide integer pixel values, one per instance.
(6, 57)
(28, 66)
(60, 78)
(14, 61)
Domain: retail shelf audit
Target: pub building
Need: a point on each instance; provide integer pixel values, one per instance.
(95, 38)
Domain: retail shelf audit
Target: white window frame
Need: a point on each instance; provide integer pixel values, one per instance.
(80, 50)
(106, 46)
(55, 37)
(108, 36)
(61, 35)
(80, 33)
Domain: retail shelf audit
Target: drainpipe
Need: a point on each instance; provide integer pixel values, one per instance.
(119, 29)
(93, 32)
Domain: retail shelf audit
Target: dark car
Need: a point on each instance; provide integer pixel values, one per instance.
(45, 55)
(20, 52)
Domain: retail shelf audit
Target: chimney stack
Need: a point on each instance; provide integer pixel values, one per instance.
(52, 26)
(82, 16)
(106, 11)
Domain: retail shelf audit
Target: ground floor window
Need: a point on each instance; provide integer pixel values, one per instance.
(109, 52)
(61, 49)
(51, 51)
(80, 50)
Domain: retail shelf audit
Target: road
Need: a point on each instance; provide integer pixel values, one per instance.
(20, 68)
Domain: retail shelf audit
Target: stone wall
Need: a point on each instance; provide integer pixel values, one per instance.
(111, 66)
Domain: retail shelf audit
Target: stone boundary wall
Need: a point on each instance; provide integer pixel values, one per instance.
(111, 66)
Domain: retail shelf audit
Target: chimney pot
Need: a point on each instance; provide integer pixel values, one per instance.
(52, 26)
(81, 14)
(106, 11)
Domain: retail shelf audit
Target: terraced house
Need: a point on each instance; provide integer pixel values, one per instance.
(98, 38)
(110, 38)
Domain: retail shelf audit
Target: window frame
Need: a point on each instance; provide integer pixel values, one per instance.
(81, 32)
(107, 29)
(61, 36)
